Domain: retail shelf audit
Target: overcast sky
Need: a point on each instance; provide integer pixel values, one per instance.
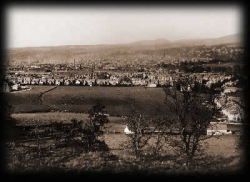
(49, 26)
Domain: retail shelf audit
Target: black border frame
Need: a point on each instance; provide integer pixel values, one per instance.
(94, 175)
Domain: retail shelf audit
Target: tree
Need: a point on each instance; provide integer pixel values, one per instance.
(214, 94)
(192, 115)
(137, 123)
(84, 134)
(92, 129)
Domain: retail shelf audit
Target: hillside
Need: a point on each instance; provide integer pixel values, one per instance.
(235, 38)
(151, 42)
(82, 53)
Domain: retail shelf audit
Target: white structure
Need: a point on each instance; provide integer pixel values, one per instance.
(232, 111)
(15, 87)
(127, 131)
(24, 87)
(219, 132)
(58, 82)
(230, 89)
(218, 129)
(152, 85)
(78, 82)
(66, 82)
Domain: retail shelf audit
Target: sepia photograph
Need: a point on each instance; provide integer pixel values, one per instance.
(154, 90)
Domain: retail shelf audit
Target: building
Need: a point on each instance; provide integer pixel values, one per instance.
(216, 128)
(15, 87)
(230, 89)
(152, 85)
(235, 127)
(127, 131)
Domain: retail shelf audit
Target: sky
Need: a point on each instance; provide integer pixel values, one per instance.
(34, 26)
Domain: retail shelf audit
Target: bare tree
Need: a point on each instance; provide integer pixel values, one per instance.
(137, 123)
(192, 115)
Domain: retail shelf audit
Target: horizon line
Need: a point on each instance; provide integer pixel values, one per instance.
(118, 43)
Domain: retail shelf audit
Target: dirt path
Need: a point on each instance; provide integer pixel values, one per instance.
(41, 98)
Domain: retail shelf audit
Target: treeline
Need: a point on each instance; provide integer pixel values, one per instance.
(236, 69)
(201, 66)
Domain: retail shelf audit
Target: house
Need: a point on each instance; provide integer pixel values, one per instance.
(216, 128)
(233, 112)
(152, 85)
(77, 82)
(57, 82)
(15, 87)
(127, 131)
(230, 89)
(113, 82)
(23, 87)
(35, 81)
(136, 81)
(66, 82)
(125, 83)
(27, 80)
(51, 81)
(235, 127)
(41, 82)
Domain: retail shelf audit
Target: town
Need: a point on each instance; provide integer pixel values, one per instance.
(150, 71)
(197, 65)
(124, 90)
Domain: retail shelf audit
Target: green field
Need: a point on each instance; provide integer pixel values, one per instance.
(80, 99)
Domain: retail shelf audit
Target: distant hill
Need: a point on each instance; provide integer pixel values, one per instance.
(235, 38)
(151, 42)
(81, 53)
(228, 39)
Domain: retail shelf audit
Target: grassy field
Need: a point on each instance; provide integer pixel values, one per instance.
(116, 125)
(116, 99)
(28, 100)
(221, 152)
(78, 99)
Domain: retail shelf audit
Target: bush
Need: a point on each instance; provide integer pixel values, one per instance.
(85, 135)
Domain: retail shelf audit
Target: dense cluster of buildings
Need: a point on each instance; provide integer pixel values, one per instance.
(134, 69)
(18, 80)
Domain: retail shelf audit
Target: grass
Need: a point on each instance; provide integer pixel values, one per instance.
(116, 125)
(115, 161)
(116, 99)
(22, 153)
(220, 152)
(150, 101)
(28, 101)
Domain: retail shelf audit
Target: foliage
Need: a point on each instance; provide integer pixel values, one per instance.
(83, 134)
(241, 109)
